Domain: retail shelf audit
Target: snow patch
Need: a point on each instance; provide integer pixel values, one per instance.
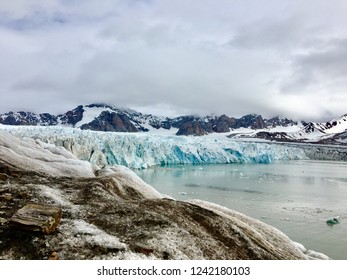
(90, 114)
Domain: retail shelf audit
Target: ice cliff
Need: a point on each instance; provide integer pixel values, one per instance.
(141, 150)
(115, 215)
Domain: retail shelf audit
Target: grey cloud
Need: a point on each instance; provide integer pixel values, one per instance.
(58, 54)
(326, 67)
(276, 33)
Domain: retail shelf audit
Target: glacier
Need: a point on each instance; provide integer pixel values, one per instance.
(142, 150)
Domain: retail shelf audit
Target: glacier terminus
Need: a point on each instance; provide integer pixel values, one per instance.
(142, 150)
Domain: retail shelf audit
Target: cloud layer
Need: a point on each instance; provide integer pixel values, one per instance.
(179, 57)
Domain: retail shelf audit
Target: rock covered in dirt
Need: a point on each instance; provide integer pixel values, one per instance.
(37, 217)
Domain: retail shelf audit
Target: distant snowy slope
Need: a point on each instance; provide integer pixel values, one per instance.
(315, 131)
(331, 132)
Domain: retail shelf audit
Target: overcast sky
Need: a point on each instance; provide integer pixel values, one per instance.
(286, 58)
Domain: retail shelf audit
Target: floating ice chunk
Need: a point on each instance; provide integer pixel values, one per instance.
(333, 220)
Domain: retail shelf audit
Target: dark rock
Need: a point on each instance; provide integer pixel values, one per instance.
(37, 217)
(278, 136)
(223, 124)
(48, 119)
(72, 117)
(277, 121)
(195, 128)
(108, 121)
(252, 121)
(19, 118)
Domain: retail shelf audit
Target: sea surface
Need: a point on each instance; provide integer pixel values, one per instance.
(297, 197)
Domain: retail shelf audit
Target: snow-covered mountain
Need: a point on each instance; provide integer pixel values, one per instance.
(330, 132)
(102, 117)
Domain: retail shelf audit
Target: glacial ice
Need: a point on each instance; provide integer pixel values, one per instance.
(142, 150)
(34, 155)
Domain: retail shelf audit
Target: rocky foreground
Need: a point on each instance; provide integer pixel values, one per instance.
(54, 206)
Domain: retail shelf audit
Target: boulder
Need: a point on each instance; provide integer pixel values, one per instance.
(37, 217)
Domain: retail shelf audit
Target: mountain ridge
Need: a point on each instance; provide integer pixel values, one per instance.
(104, 117)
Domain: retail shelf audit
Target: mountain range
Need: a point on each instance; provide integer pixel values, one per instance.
(103, 117)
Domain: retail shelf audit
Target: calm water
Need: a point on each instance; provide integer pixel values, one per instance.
(297, 197)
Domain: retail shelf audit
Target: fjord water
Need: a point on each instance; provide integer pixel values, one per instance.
(296, 197)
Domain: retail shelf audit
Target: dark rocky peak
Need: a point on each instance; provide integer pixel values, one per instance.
(252, 120)
(195, 128)
(192, 125)
(19, 118)
(177, 122)
(72, 117)
(278, 121)
(159, 122)
(110, 121)
(48, 119)
(223, 123)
